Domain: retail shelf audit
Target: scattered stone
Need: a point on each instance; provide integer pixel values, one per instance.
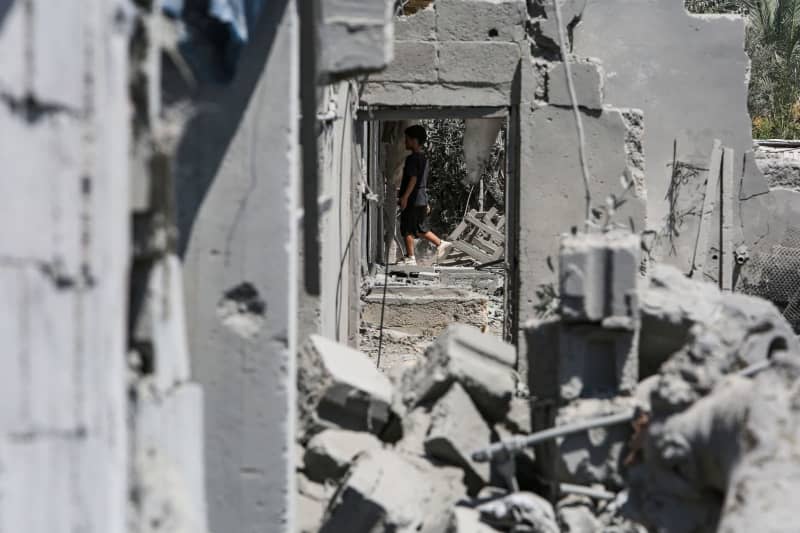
(576, 515)
(340, 387)
(456, 431)
(329, 453)
(387, 491)
(415, 430)
(309, 513)
(482, 364)
(521, 511)
(467, 520)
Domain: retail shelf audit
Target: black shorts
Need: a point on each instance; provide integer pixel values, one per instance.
(414, 220)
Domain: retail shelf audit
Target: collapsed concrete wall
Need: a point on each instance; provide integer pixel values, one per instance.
(64, 256)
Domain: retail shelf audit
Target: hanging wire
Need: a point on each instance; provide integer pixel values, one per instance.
(562, 38)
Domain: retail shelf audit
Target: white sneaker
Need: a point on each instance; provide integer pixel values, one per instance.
(409, 261)
(443, 249)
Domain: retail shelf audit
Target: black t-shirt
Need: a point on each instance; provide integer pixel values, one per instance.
(416, 165)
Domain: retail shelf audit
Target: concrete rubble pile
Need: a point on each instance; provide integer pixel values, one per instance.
(651, 402)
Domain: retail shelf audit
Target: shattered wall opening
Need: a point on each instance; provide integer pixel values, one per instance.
(469, 173)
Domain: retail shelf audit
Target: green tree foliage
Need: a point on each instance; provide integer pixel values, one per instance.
(450, 197)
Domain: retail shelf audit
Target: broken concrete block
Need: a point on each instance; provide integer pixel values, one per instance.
(457, 430)
(386, 491)
(482, 364)
(570, 361)
(340, 387)
(597, 362)
(421, 26)
(311, 502)
(329, 453)
(415, 431)
(588, 457)
(598, 276)
(577, 517)
(481, 20)
(355, 37)
(467, 520)
(414, 61)
(546, 29)
(481, 63)
(426, 310)
(588, 82)
(520, 511)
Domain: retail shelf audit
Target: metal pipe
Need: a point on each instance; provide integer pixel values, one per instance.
(518, 443)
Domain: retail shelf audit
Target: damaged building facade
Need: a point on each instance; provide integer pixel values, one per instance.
(195, 192)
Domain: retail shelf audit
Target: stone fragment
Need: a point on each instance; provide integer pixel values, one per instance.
(421, 26)
(546, 29)
(481, 20)
(467, 520)
(570, 361)
(457, 430)
(520, 511)
(329, 453)
(414, 61)
(415, 430)
(598, 277)
(309, 513)
(386, 491)
(588, 82)
(481, 63)
(482, 364)
(588, 457)
(577, 517)
(340, 387)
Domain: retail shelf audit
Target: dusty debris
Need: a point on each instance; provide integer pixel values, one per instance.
(340, 388)
(521, 511)
(329, 453)
(482, 364)
(456, 430)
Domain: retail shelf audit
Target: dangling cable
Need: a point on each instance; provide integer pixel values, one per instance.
(581, 137)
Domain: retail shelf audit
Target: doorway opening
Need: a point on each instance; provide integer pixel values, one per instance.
(471, 175)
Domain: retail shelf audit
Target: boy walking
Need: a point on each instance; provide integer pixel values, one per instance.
(414, 198)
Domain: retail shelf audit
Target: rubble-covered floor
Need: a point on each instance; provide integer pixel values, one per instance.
(404, 343)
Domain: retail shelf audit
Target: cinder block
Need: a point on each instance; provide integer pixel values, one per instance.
(340, 387)
(588, 80)
(457, 430)
(481, 63)
(598, 276)
(481, 20)
(415, 429)
(386, 491)
(547, 29)
(329, 453)
(571, 361)
(356, 36)
(421, 26)
(414, 61)
(482, 364)
(588, 457)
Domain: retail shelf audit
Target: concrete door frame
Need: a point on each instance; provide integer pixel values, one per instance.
(510, 113)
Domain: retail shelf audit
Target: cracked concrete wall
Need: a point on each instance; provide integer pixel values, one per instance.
(453, 53)
(64, 255)
(691, 73)
(237, 184)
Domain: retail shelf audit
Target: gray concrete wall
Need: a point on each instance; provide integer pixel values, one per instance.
(64, 256)
(237, 187)
(689, 76)
(454, 53)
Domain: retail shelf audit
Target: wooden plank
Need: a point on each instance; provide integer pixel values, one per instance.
(709, 203)
(485, 227)
(726, 240)
(473, 252)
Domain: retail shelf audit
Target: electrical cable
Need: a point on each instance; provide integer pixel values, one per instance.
(383, 298)
(581, 136)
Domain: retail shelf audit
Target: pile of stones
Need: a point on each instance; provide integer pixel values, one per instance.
(709, 379)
